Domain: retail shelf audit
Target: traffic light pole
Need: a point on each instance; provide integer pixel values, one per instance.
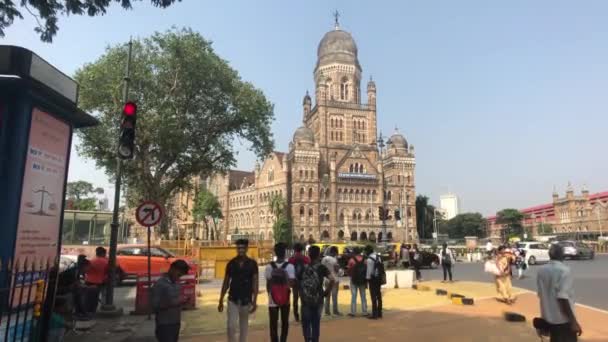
(383, 183)
(108, 308)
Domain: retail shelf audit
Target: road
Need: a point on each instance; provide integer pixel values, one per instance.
(590, 278)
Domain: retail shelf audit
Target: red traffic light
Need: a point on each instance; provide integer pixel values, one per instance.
(130, 109)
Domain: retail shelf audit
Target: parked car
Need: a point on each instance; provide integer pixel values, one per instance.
(132, 260)
(577, 250)
(536, 252)
(429, 259)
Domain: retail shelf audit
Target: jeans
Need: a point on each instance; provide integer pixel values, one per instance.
(562, 333)
(333, 296)
(353, 299)
(237, 313)
(447, 269)
(376, 294)
(296, 299)
(417, 269)
(167, 332)
(273, 313)
(311, 322)
(92, 298)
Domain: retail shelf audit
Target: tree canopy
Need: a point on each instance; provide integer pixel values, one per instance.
(511, 219)
(78, 195)
(47, 12)
(207, 208)
(466, 224)
(191, 107)
(282, 226)
(425, 214)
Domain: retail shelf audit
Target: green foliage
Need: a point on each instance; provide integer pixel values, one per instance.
(467, 224)
(207, 208)
(545, 228)
(511, 219)
(46, 12)
(78, 194)
(425, 214)
(282, 226)
(191, 107)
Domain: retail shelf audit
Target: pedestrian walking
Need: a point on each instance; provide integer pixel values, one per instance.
(312, 294)
(504, 286)
(416, 259)
(299, 261)
(447, 259)
(167, 302)
(241, 283)
(520, 262)
(331, 262)
(405, 256)
(555, 285)
(357, 271)
(96, 278)
(280, 278)
(374, 275)
(489, 249)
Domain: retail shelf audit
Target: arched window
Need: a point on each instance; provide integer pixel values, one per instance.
(351, 168)
(332, 135)
(341, 137)
(344, 89)
(302, 194)
(367, 215)
(302, 213)
(306, 174)
(310, 194)
(351, 195)
(311, 213)
(361, 168)
(341, 217)
(353, 236)
(332, 122)
(357, 195)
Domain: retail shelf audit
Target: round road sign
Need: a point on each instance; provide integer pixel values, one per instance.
(148, 213)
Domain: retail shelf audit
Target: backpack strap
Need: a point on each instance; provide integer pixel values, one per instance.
(284, 266)
(273, 265)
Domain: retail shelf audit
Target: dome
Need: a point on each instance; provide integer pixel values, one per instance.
(397, 140)
(304, 135)
(337, 46)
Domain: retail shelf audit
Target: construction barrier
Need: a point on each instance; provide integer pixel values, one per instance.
(142, 294)
(462, 301)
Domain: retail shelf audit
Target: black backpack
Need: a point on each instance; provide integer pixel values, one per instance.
(359, 273)
(379, 273)
(299, 266)
(311, 286)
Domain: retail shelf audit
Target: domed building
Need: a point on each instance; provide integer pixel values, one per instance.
(331, 175)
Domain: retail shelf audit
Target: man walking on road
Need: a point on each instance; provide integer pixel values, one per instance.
(504, 286)
(312, 294)
(280, 278)
(556, 293)
(357, 271)
(299, 261)
(167, 302)
(374, 282)
(331, 263)
(447, 259)
(241, 283)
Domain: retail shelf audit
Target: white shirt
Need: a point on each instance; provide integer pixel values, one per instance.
(554, 281)
(371, 267)
(489, 246)
(447, 251)
(291, 275)
(332, 264)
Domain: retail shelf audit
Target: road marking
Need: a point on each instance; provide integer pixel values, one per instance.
(593, 308)
(528, 292)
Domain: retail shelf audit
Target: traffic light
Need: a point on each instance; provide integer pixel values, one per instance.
(397, 215)
(126, 142)
(380, 213)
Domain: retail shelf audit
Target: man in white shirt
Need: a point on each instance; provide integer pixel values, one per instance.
(275, 275)
(556, 293)
(375, 288)
(331, 262)
(489, 248)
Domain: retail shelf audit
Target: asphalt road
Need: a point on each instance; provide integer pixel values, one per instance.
(590, 278)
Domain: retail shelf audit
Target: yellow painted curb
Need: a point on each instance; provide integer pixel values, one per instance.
(423, 288)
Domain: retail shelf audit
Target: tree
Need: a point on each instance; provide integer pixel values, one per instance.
(78, 195)
(467, 224)
(544, 228)
(191, 107)
(47, 12)
(207, 207)
(425, 214)
(282, 226)
(511, 219)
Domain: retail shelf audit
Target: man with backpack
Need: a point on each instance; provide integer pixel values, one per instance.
(299, 261)
(312, 294)
(357, 271)
(376, 277)
(446, 256)
(280, 278)
(331, 262)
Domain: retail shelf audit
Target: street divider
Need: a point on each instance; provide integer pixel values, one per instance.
(441, 292)
(514, 317)
(462, 301)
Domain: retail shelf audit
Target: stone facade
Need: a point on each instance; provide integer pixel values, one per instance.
(573, 214)
(331, 175)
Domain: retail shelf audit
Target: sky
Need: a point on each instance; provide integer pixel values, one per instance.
(503, 101)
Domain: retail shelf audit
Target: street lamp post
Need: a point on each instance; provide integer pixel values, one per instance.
(599, 221)
(381, 145)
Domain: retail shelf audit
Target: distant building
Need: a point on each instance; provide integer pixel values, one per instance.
(583, 214)
(449, 205)
(104, 204)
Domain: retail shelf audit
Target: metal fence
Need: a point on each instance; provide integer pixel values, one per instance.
(23, 287)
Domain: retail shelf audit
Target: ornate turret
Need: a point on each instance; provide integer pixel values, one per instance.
(307, 104)
(371, 92)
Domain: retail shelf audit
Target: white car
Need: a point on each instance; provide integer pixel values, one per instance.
(536, 252)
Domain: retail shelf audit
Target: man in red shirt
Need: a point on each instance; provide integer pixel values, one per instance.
(95, 278)
(298, 260)
(357, 271)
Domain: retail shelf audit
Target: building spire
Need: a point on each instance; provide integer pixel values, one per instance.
(336, 19)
